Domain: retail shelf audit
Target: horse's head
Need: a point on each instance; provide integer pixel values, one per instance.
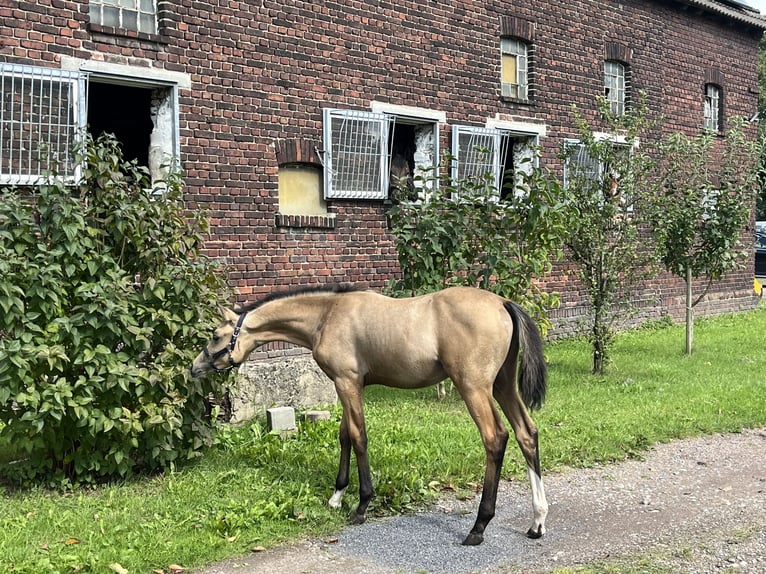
(221, 352)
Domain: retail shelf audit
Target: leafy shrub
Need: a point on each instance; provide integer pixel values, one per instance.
(463, 234)
(105, 300)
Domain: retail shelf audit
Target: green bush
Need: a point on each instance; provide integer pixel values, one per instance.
(105, 300)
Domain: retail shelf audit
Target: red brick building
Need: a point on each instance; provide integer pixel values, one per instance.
(287, 117)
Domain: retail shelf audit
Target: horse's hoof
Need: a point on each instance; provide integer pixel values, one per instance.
(355, 518)
(535, 534)
(473, 539)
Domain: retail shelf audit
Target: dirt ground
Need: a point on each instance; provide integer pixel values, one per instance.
(695, 506)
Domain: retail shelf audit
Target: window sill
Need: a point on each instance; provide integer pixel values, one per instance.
(525, 102)
(121, 32)
(303, 221)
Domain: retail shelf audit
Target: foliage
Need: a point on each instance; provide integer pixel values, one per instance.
(604, 177)
(700, 204)
(254, 489)
(102, 292)
(760, 204)
(463, 234)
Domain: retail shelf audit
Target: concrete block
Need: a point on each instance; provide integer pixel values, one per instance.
(280, 418)
(314, 416)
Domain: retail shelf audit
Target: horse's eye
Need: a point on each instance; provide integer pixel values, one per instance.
(216, 338)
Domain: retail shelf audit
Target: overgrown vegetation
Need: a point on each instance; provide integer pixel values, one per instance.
(254, 489)
(463, 234)
(103, 294)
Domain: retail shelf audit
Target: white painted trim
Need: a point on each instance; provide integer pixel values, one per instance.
(408, 111)
(518, 127)
(127, 72)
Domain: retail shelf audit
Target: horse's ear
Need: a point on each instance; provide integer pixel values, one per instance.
(228, 314)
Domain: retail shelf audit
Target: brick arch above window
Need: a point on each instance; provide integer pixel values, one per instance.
(618, 52)
(291, 151)
(714, 75)
(517, 28)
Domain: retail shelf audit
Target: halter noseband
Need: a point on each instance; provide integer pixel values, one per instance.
(211, 359)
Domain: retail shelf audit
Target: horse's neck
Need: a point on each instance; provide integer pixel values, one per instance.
(293, 319)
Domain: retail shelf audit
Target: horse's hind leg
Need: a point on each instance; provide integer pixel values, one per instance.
(524, 428)
(494, 435)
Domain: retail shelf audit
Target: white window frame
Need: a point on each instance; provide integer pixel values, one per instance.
(135, 15)
(712, 110)
(614, 86)
(58, 129)
(519, 89)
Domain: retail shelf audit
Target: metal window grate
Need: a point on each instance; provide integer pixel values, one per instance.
(356, 154)
(136, 15)
(479, 151)
(41, 113)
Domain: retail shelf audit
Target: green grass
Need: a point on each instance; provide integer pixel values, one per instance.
(256, 489)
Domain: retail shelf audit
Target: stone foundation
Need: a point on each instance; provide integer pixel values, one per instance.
(295, 381)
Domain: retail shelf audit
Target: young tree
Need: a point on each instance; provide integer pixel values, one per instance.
(603, 177)
(700, 205)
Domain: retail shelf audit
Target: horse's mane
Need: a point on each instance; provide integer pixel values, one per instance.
(334, 288)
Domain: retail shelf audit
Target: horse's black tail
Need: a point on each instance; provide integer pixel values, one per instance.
(532, 370)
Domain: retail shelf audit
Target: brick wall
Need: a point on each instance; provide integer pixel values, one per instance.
(262, 72)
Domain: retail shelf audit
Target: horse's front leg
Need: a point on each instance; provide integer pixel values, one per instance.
(341, 481)
(353, 434)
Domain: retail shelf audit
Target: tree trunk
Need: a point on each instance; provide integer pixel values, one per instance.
(689, 312)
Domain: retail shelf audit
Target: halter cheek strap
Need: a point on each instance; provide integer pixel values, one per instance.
(211, 359)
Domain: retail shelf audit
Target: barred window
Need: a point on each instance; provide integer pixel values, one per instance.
(42, 113)
(614, 86)
(135, 15)
(356, 154)
(514, 68)
(712, 113)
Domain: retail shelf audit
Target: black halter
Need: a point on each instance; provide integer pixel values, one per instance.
(211, 359)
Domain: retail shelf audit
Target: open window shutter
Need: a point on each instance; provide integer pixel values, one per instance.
(42, 116)
(479, 151)
(356, 154)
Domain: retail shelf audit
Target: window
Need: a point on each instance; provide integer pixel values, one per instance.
(712, 113)
(367, 154)
(134, 15)
(44, 114)
(503, 154)
(614, 86)
(596, 173)
(41, 115)
(514, 68)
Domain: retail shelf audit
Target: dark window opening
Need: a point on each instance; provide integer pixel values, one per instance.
(124, 111)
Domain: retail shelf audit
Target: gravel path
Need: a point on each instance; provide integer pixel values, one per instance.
(696, 506)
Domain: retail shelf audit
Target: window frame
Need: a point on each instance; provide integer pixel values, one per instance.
(712, 119)
(597, 168)
(615, 86)
(74, 124)
(97, 8)
(519, 50)
(502, 139)
(375, 163)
